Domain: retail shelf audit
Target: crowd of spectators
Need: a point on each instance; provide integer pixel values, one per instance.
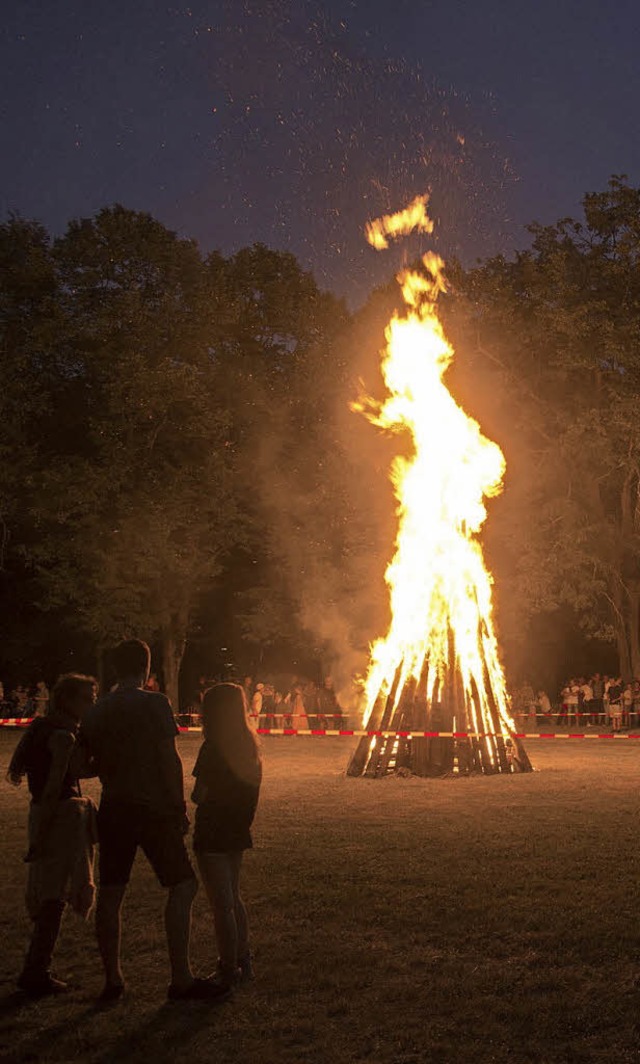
(291, 702)
(24, 700)
(598, 700)
(300, 703)
(32, 700)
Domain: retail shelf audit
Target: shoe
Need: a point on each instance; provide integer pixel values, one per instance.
(200, 990)
(111, 992)
(224, 977)
(245, 969)
(38, 986)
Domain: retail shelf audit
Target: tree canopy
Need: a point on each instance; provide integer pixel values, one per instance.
(179, 460)
(557, 330)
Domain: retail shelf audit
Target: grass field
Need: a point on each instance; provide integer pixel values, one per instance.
(394, 921)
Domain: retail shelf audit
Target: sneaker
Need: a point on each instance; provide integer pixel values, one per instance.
(37, 986)
(224, 977)
(200, 990)
(245, 969)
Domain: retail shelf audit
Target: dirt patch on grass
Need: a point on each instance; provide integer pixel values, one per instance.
(395, 921)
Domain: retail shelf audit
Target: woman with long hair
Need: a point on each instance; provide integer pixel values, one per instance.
(228, 774)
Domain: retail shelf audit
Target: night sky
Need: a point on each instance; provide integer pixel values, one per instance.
(293, 122)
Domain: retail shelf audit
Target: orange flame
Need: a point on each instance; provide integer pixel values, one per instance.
(399, 224)
(440, 589)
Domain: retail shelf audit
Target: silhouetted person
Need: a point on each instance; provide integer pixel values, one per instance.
(61, 826)
(329, 708)
(130, 734)
(228, 773)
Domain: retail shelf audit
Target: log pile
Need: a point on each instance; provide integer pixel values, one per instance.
(448, 710)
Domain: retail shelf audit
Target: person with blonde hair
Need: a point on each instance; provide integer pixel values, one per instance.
(228, 774)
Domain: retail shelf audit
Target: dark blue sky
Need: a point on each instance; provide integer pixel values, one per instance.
(293, 122)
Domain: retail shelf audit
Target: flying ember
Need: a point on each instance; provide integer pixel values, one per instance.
(438, 667)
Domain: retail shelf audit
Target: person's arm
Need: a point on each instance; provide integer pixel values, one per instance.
(18, 764)
(171, 776)
(61, 745)
(200, 792)
(81, 763)
(165, 731)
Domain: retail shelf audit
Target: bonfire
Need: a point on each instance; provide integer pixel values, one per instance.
(438, 669)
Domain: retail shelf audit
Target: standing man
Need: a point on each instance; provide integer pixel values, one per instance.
(597, 686)
(587, 695)
(130, 734)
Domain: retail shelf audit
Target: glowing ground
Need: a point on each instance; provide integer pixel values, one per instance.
(394, 921)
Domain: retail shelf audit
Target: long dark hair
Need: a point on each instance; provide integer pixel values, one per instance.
(226, 728)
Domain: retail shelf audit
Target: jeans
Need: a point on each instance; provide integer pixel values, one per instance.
(220, 874)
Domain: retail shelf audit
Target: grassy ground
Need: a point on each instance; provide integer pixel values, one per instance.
(398, 921)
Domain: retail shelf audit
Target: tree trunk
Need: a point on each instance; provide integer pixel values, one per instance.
(173, 641)
(620, 626)
(624, 658)
(634, 632)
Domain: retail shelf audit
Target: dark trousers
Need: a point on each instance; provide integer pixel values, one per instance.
(46, 928)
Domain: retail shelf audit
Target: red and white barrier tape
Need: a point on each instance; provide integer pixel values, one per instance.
(340, 716)
(437, 734)
(20, 722)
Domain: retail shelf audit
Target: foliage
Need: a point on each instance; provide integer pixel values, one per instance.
(178, 455)
(137, 376)
(559, 329)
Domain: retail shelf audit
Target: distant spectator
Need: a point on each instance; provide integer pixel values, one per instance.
(20, 699)
(248, 688)
(268, 701)
(627, 703)
(328, 706)
(615, 704)
(572, 701)
(606, 684)
(563, 715)
(200, 690)
(586, 696)
(152, 683)
(256, 701)
(297, 706)
(279, 706)
(636, 703)
(597, 686)
(312, 704)
(41, 698)
(544, 704)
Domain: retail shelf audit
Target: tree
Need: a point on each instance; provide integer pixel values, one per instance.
(557, 329)
(129, 500)
(156, 384)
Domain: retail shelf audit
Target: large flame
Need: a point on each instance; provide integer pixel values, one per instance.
(440, 589)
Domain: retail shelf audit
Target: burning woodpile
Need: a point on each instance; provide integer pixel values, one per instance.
(438, 668)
